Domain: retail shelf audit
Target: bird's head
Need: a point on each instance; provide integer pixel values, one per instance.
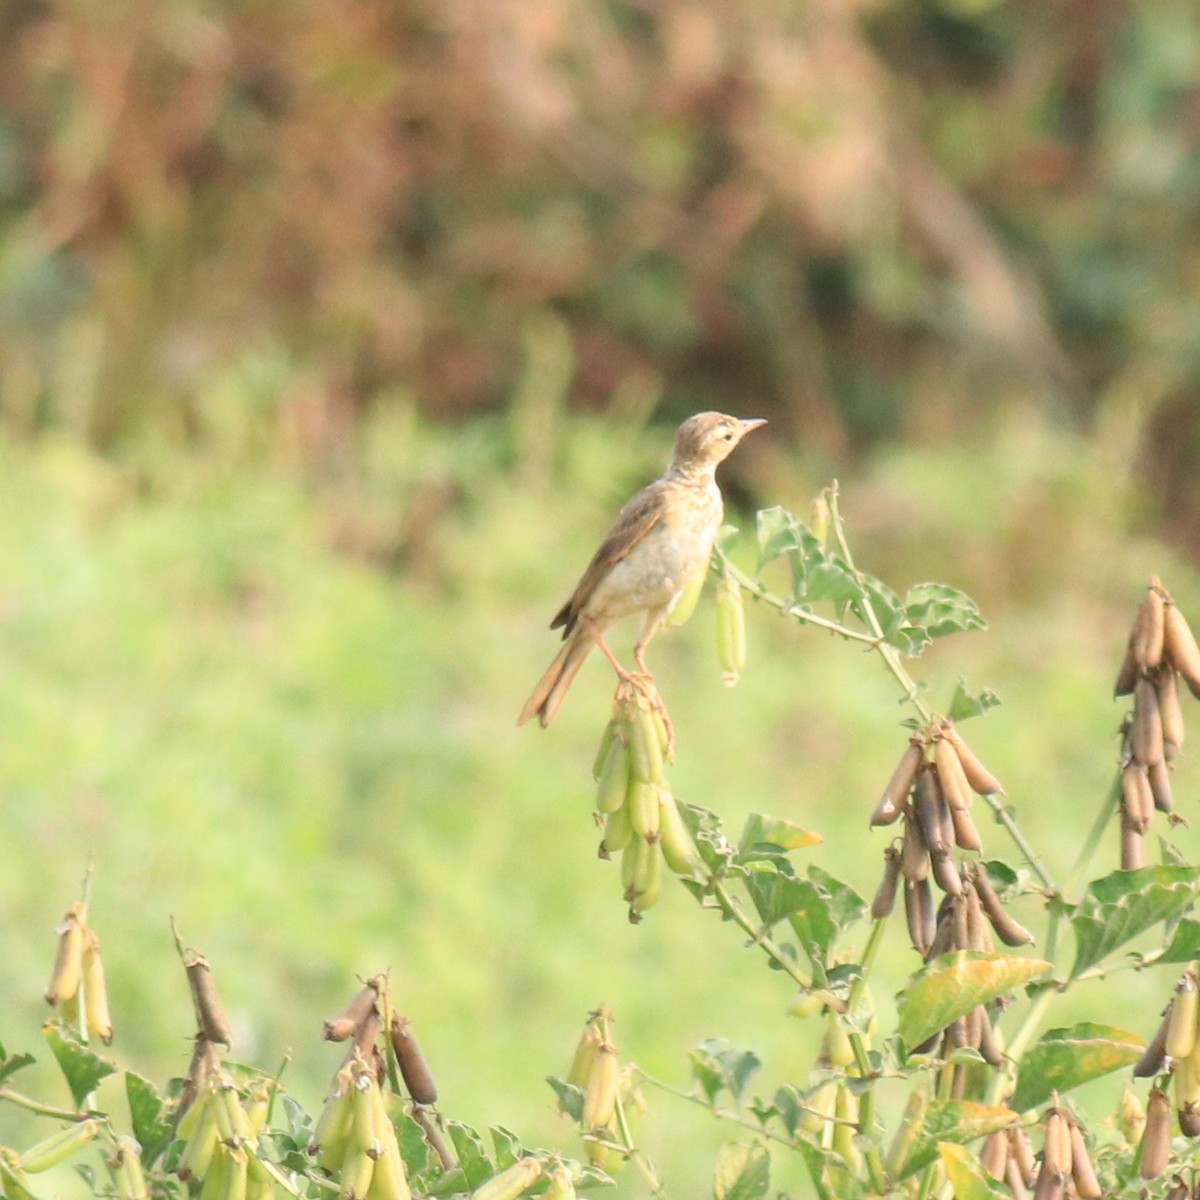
(709, 437)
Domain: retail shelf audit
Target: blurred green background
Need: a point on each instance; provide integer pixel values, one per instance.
(331, 338)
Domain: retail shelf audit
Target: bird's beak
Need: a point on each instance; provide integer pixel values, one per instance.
(752, 423)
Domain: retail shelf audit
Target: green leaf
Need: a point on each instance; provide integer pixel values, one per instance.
(82, 1067)
(963, 705)
(508, 1146)
(938, 610)
(716, 1065)
(1118, 907)
(743, 1171)
(954, 984)
(1185, 943)
(778, 532)
(469, 1149)
(10, 1066)
(968, 1179)
(815, 1159)
(846, 906)
(569, 1096)
(709, 835)
(815, 574)
(774, 831)
(958, 1121)
(146, 1114)
(1064, 1058)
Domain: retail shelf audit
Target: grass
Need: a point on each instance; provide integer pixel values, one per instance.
(309, 759)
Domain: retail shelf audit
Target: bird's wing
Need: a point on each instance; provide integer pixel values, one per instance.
(634, 522)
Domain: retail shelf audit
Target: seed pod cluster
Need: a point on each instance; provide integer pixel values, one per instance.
(78, 974)
(596, 1070)
(1162, 650)
(635, 804)
(1007, 1155)
(1066, 1168)
(1175, 1048)
(362, 1024)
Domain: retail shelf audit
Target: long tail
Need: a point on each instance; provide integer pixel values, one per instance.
(547, 697)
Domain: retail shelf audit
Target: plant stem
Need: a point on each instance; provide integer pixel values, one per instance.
(36, 1106)
(1014, 831)
(1092, 842)
(758, 935)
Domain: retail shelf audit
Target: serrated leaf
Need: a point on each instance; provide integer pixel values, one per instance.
(963, 705)
(846, 906)
(1184, 945)
(709, 835)
(508, 1146)
(789, 1107)
(775, 831)
(957, 1121)
(82, 1067)
(569, 1096)
(10, 1066)
(743, 1171)
(939, 610)
(968, 1179)
(1064, 1058)
(146, 1114)
(718, 1066)
(956, 983)
(471, 1154)
(1117, 908)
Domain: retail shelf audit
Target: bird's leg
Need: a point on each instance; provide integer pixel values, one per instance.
(646, 676)
(597, 637)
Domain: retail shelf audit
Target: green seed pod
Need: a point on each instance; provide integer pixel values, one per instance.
(131, 1179)
(52, 1150)
(611, 731)
(645, 747)
(846, 1113)
(1185, 1009)
(331, 1134)
(647, 882)
(389, 1180)
(618, 829)
(911, 1126)
(731, 629)
(678, 849)
(216, 1177)
(685, 602)
(562, 1186)
(585, 1055)
(600, 1094)
(356, 1176)
(198, 1152)
(510, 1183)
(614, 778)
(236, 1174)
(644, 809)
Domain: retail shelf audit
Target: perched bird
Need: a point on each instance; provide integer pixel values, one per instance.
(662, 540)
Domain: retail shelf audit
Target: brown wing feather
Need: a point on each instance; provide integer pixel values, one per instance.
(633, 523)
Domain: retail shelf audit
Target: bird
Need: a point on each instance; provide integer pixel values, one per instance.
(661, 541)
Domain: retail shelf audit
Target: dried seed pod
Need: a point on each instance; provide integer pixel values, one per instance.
(918, 909)
(943, 939)
(68, 958)
(1133, 852)
(960, 921)
(413, 1068)
(1159, 779)
(1055, 1170)
(1127, 676)
(993, 1155)
(1180, 644)
(1170, 711)
(346, 1023)
(1020, 1151)
(1151, 1061)
(1014, 1180)
(978, 776)
(1148, 631)
(892, 802)
(951, 777)
(989, 1043)
(433, 1137)
(1156, 1138)
(1178, 1189)
(914, 854)
(1147, 735)
(1082, 1171)
(946, 873)
(1137, 800)
(95, 991)
(966, 836)
(1189, 1119)
(209, 1011)
(885, 895)
(1010, 931)
(979, 932)
(929, 807)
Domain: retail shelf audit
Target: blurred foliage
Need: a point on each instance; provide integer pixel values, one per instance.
(865, 220)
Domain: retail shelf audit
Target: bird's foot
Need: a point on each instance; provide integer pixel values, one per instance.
(642, 683)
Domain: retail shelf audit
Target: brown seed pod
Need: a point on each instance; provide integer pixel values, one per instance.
(943, 938)
(1156, 1137)
(891, 803)
(1170, 710)
(1009, 930)
(1159, 778)
(974, 1021)
(346, 1023)
(951, 777)
(1012, 1177)
(929, 807)
(1149, 631)
(918, 909)
(978, 776)
(966, 836)
(1133, 851)
(1180, 644)
(946, 873)
(367, 1034)
(1020, 1150)
(1082, 1171)
(885, 895)
(1127, 676)
(989, 1045)
(1137, 801)
(961, 925)
(1147, 734)
(209, 1012)
(433, 1136)
(1189, 1120)
(993, 1155)
(914, 854)
(413, 1067)
(1151, 1061)
(1178, 1189)
(979, 932)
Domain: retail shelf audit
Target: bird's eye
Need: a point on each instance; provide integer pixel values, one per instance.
(728, 435)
